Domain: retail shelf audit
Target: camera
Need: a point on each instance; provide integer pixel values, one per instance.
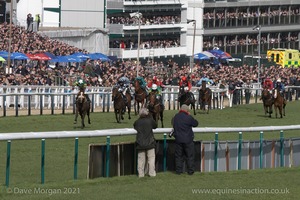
(171, 133)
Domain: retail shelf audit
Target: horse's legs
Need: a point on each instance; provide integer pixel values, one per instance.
(117, 116)
(266, 109)
(193, 107)
(76, 115)
(129, 108)
(162, 118)
(82, 115)
(280, 110)
(275, 108)
(284, 104)
(135, 107)
(207, 106)
(270, 111)
(121, 116)
(88, 115)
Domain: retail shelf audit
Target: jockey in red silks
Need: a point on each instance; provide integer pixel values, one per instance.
(186, 83)
(156, 82)
(187, 87)
(268, 83)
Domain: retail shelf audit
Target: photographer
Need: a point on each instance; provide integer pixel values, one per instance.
(183, 123)
(145, 142)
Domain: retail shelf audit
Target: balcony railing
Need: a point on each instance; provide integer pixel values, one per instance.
(145, 53)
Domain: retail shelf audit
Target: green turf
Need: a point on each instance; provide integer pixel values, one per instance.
(25, 158)
(256, 184)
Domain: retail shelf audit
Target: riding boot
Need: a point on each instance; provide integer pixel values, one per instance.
(161, 101)
(131, 92)
(146, 89)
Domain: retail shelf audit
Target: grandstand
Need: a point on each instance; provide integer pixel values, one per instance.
(226, 24)
(165, 31)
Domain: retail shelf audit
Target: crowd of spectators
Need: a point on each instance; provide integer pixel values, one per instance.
(244, 16)
(98, 73)
(249, 40)
(31, 42)
(220, 14)
(145, 20)
(145, 44)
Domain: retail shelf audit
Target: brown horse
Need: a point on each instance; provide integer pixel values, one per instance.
(139, 97)
(120, 104)
(279, 103)
(83, 108)
(156, 109)
(186, 98)
(205, 98)
(267, 101)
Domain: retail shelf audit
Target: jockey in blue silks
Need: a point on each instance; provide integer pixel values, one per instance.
(123, 84)
(279, 85)
(207, 80)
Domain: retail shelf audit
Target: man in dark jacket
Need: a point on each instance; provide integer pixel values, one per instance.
(183, 123)
(145, 142)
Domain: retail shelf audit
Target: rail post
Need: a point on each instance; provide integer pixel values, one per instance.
(240, 150)
(43, 162)
(261, 139)
(216, 152)
(281, 149)
(165, 153)
(107, 155)
(7, 163)
(16, 105)
(76, 159)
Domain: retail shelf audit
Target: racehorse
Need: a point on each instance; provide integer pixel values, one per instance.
(187, 98)
(205, 97)
(156, 108)
(120, 104)
(83, 108)
(139, 97)
(279, 103)
(267, 101)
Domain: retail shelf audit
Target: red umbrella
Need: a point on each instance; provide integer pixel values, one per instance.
(38, 56)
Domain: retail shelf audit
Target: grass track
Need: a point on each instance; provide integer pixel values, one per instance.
(25, 158)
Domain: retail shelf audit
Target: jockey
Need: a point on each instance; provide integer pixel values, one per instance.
(204, 79)
(279, 85)
(156, 82)
(142, 83)
(81, 84)
(123, 84)
(186, 84)
(268, 84)
(157, 91)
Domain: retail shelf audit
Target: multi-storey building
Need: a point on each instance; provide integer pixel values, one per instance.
(227, 24)
(179, 28)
